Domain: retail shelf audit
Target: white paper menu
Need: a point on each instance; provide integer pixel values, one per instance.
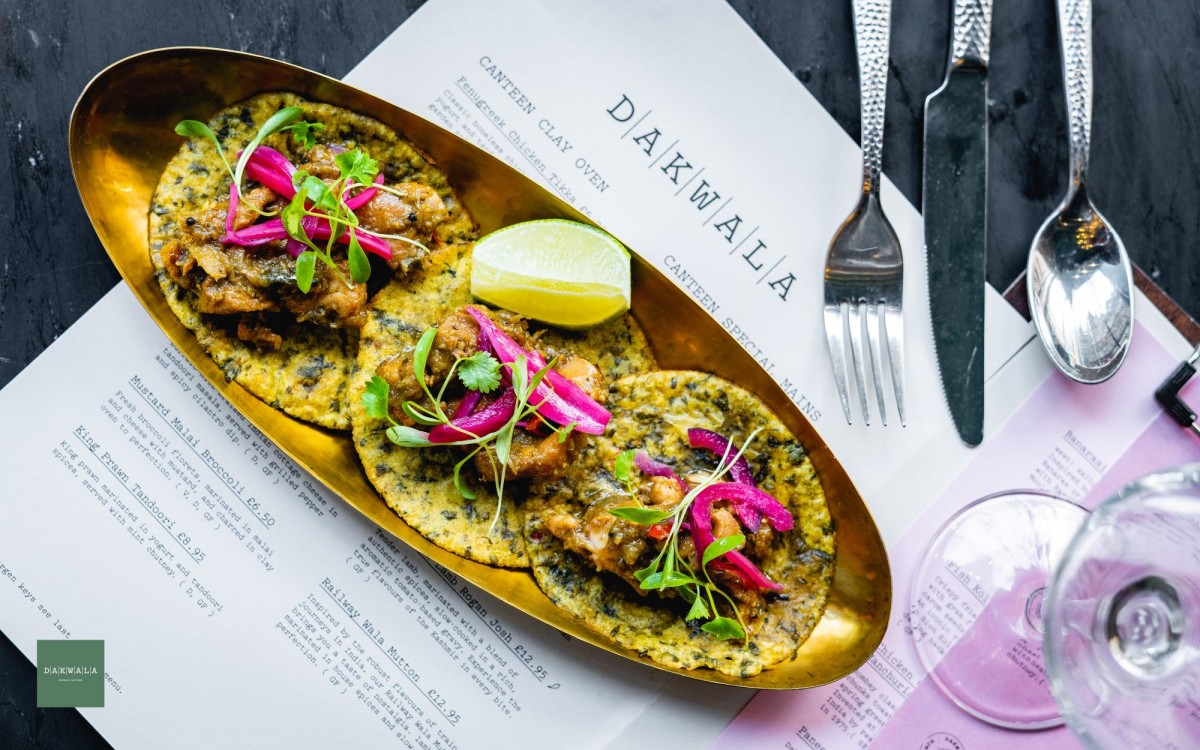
(241, 604)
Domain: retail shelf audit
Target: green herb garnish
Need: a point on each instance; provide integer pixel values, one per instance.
(356, 170)
(670, 569)
(479, 372)
(623, 470)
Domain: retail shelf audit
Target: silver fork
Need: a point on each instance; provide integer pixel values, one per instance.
(864, 271)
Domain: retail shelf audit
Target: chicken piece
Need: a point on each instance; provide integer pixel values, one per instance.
(609, 543)
(250, 205)
(660, 493)
(457, 337)
(225, 297)
(256, 332)
(585, 375)
(724, 524)
(413, 211)
(177, 263)
(331, 300)
(758, 543)
(531, 456)
(319, 162)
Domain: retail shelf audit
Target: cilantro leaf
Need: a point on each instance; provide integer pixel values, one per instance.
(305, 133)
(698, 611)
(622, 469)
(480, 372)
(356, 166)
(565, 432)
(375, 398)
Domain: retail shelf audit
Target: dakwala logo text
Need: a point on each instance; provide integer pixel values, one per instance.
(70, 674)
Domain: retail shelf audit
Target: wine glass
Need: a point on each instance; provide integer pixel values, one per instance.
(1027, 609)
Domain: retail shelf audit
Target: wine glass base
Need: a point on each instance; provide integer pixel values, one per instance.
(976, 605)
(1123, 625)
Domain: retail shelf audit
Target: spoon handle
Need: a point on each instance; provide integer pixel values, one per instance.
(1075, 32)
(872, 24)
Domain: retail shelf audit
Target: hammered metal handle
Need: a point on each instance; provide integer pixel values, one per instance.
(872, 23)
(972, 33)
(1075, 32)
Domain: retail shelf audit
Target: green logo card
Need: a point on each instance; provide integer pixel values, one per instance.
(70, 673)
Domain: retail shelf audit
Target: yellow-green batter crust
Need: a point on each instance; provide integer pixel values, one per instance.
(417, 482)
(653, 412)
(308, 376)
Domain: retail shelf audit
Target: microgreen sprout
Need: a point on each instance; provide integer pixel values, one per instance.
(479, 372)
(315, 200)
(670, 569)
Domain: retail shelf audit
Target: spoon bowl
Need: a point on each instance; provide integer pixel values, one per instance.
(1079, 278)
(1080, 283)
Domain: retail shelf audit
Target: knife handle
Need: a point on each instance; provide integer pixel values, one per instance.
(972, 34)
(1075, 33)
(872, 24)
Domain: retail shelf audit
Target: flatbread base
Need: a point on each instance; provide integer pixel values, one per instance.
(308, 376)
(417, 482)
(653, 412)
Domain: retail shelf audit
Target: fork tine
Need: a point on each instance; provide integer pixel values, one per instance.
(859, 353)
(895, 335)
(873, 332)
(834, 334)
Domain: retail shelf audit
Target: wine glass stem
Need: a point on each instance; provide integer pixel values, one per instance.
(1144, 625)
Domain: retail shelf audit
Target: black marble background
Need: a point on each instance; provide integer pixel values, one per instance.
(1144, 176)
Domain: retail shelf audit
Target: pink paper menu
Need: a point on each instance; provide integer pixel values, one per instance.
(1080, 442)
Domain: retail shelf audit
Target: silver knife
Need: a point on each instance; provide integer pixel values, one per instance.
(955, 212)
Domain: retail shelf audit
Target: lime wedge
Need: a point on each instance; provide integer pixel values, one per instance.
(560, 272)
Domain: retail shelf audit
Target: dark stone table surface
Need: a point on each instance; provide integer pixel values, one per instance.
(1145, 173)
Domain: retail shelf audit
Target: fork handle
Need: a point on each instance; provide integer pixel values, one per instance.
(1075, 33)
(872, 24)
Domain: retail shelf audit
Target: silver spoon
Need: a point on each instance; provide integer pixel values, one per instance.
(1079, 278)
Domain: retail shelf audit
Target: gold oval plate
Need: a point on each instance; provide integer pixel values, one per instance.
(121, 138)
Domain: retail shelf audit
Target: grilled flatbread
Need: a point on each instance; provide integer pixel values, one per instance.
(653, 412)
(307, 375)
(417, 482)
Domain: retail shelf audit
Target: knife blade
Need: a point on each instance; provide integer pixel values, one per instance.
(955, 212)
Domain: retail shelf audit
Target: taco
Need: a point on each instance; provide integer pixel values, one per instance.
(615, 541)
(470, 517)
(279, 309)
